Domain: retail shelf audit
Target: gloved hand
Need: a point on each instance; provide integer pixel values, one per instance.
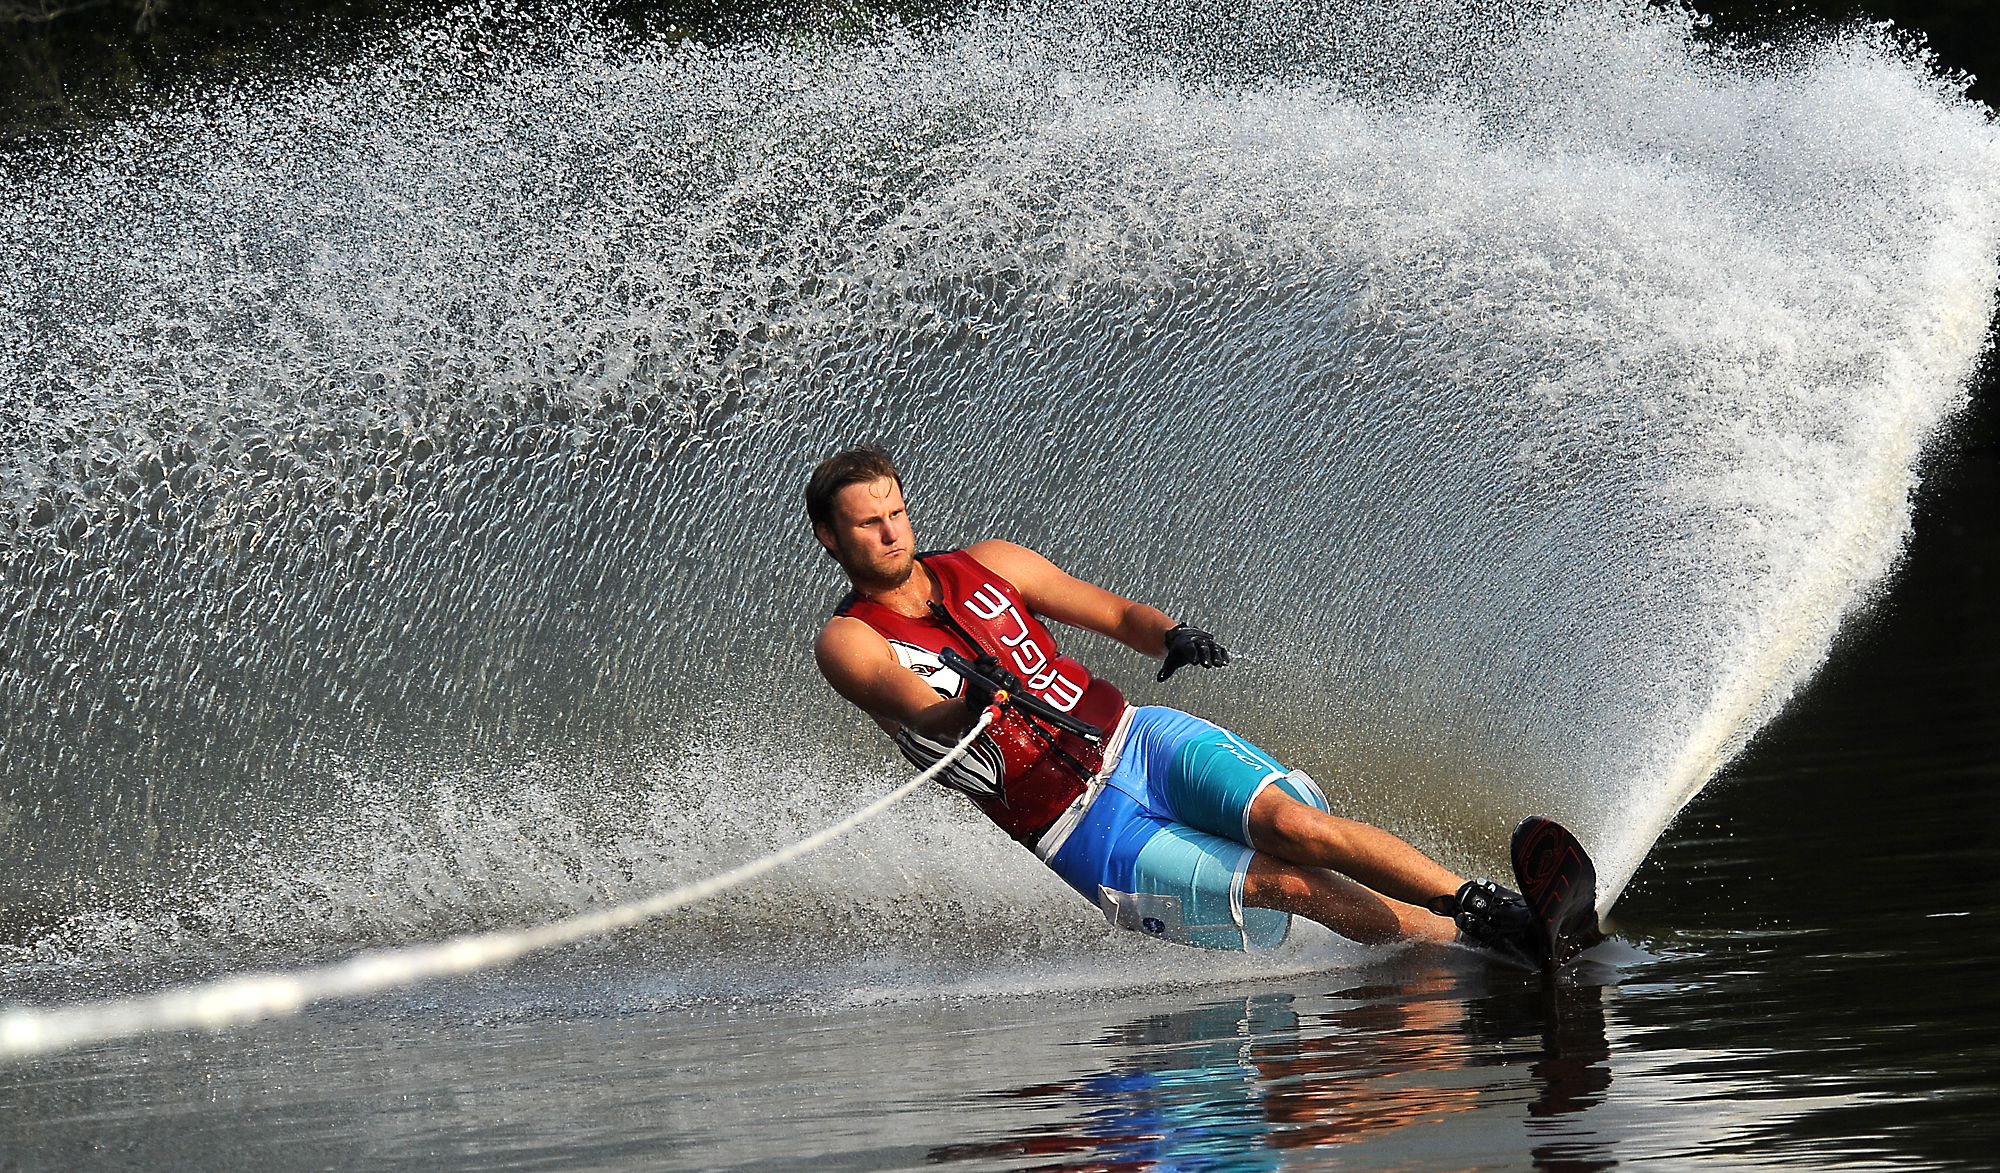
(1191, 645)
(978, 695)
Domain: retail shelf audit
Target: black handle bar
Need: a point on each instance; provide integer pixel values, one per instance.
(1020, 699)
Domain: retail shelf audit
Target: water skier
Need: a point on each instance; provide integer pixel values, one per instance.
(1169, 824)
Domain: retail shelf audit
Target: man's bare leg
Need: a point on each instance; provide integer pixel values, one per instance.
(1282, 826)
(1339, 903)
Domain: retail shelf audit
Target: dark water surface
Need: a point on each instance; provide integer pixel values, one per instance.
(1831, 901)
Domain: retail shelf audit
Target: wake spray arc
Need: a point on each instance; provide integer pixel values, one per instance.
(396, 467)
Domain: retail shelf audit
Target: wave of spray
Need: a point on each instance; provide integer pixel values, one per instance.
(257, 996)
(1526, 396)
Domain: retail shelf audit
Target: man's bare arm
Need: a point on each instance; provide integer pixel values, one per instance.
(1050, 591)
(860, 665)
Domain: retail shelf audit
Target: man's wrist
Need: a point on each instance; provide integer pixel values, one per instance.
(1149, 637)
(945, 721)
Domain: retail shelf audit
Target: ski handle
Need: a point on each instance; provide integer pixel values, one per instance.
(1021, 701)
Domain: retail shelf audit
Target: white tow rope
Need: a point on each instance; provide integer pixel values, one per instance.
(250, 997)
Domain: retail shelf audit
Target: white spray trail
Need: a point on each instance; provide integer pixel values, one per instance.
(251, 997)
(1794, 641)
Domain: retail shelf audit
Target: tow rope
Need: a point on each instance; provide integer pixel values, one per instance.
(251, 997)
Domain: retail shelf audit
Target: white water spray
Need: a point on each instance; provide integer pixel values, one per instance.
(248, 998)
(1526, 402)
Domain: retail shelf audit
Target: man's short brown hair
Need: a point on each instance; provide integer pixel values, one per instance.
(856, 466)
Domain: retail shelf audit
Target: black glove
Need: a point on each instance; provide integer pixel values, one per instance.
(978, 694)
(1191, 645)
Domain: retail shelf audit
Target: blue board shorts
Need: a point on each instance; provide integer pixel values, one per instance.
(1163, 846)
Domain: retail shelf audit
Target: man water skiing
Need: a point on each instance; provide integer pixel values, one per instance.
(1169, 824)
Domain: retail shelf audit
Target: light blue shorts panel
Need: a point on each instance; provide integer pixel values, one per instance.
(1164, 848)
(1155, 735)
(1204, 874)
(1214, 778)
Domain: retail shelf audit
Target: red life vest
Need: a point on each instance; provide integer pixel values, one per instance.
(1011, 772)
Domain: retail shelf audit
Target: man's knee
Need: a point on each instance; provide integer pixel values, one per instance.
(1288, 828)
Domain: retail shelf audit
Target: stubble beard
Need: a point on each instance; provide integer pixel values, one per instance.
(868, 581)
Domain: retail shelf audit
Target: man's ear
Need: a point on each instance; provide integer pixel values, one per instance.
(825, 537)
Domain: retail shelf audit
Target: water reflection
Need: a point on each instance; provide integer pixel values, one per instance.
(1254, 1082)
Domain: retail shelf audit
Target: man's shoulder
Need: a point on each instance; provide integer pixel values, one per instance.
(843, 637)
(843, 623)
(1023, 569)
(1001, 556)
(998, 547)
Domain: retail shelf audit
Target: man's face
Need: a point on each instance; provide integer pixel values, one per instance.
(870, 534)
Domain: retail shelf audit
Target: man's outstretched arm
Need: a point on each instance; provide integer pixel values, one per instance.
(1146, 630)
(1052, 592)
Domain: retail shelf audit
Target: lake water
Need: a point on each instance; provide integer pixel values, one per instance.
(400, 540)
(1802, 981)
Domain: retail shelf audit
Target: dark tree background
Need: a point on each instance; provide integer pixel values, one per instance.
(65, 64)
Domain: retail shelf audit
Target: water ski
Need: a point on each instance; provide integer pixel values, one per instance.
(1560, 884)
